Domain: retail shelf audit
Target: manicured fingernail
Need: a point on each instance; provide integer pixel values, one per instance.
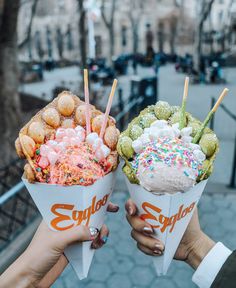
(159, 247)
(130, 210)
(148, 230)
(93, 232)
(104, 239)
(115, 208)
(158, 252)
(94, 246)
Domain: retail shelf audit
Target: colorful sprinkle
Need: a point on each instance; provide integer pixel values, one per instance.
(172, 152)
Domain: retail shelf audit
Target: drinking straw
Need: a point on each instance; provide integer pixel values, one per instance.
(209, 116)
(86, 96)
(182, 122)
(108, 108)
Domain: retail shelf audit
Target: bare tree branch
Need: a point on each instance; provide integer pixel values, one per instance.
(26, 40)
(103, 14)
(82, 33)
(109, 23)
(206, 9)
(134, 13)
(113, 7)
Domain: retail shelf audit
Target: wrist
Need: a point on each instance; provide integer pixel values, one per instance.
(199, 250)
(17, 275)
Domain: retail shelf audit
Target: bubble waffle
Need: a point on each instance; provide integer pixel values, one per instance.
(67, 112)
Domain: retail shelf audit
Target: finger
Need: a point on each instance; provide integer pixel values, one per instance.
(77, 234)
(101, 239)
(139, 225)
(130, 207)
(54, 273)
(151, 243)
(148, 251)
(112, 207)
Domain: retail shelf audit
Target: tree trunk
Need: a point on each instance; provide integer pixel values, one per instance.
(135, 39)
(199, 48)
(203, 14)
(82, 34)
(9, 98)
(160, 37)
(135, 42)
(112, 42)
(173, 33)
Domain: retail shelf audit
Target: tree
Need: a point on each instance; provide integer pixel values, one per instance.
(82, 33)
(173, 33)
(10, 114)
(109, 23)
(27, 39)
(161, 36)
(69, 38)
(204, 9)
(134, 14)
(38, 45)
(60, 44)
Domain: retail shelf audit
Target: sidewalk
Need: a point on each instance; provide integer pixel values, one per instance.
(120, 264)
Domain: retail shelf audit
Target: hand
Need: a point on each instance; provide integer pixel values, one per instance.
(195, 244)
(142, 232)
(192, 249)
(43, 261)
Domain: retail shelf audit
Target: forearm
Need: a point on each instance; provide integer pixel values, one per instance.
(17, 275)
(200, 249)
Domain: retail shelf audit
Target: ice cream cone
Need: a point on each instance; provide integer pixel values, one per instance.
(169, 215)
(63, 207)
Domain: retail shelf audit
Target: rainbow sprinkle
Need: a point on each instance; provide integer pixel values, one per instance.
(172, 152)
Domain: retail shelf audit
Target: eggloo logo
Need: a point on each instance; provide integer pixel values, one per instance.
(157, 220)
(67, 216)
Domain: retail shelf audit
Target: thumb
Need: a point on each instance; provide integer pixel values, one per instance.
(77, 234)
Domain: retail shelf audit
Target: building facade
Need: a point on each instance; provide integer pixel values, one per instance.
(55, 32)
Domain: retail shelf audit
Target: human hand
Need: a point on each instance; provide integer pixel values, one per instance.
(192, 249)
(195, 244)
(43, 261)
(142, 232)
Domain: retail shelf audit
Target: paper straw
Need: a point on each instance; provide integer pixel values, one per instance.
(182, 122)
(104, 124)
(86, 96)
(209, 116)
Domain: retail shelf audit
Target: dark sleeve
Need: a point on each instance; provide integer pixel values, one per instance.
(226, 278)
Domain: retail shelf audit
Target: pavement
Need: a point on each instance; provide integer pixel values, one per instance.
(120, 264)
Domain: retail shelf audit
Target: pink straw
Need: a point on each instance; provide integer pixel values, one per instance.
(86, 94)
(104, 124)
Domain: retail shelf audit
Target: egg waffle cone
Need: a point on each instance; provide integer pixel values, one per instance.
(66, 111)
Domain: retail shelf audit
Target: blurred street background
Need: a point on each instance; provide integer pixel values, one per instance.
(149, 46)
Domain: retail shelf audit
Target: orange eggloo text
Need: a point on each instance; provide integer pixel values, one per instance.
(67, 212)
(161, 221)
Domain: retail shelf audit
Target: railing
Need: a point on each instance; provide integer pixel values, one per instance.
(232, 183)
(16, 206)
(127, 109)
